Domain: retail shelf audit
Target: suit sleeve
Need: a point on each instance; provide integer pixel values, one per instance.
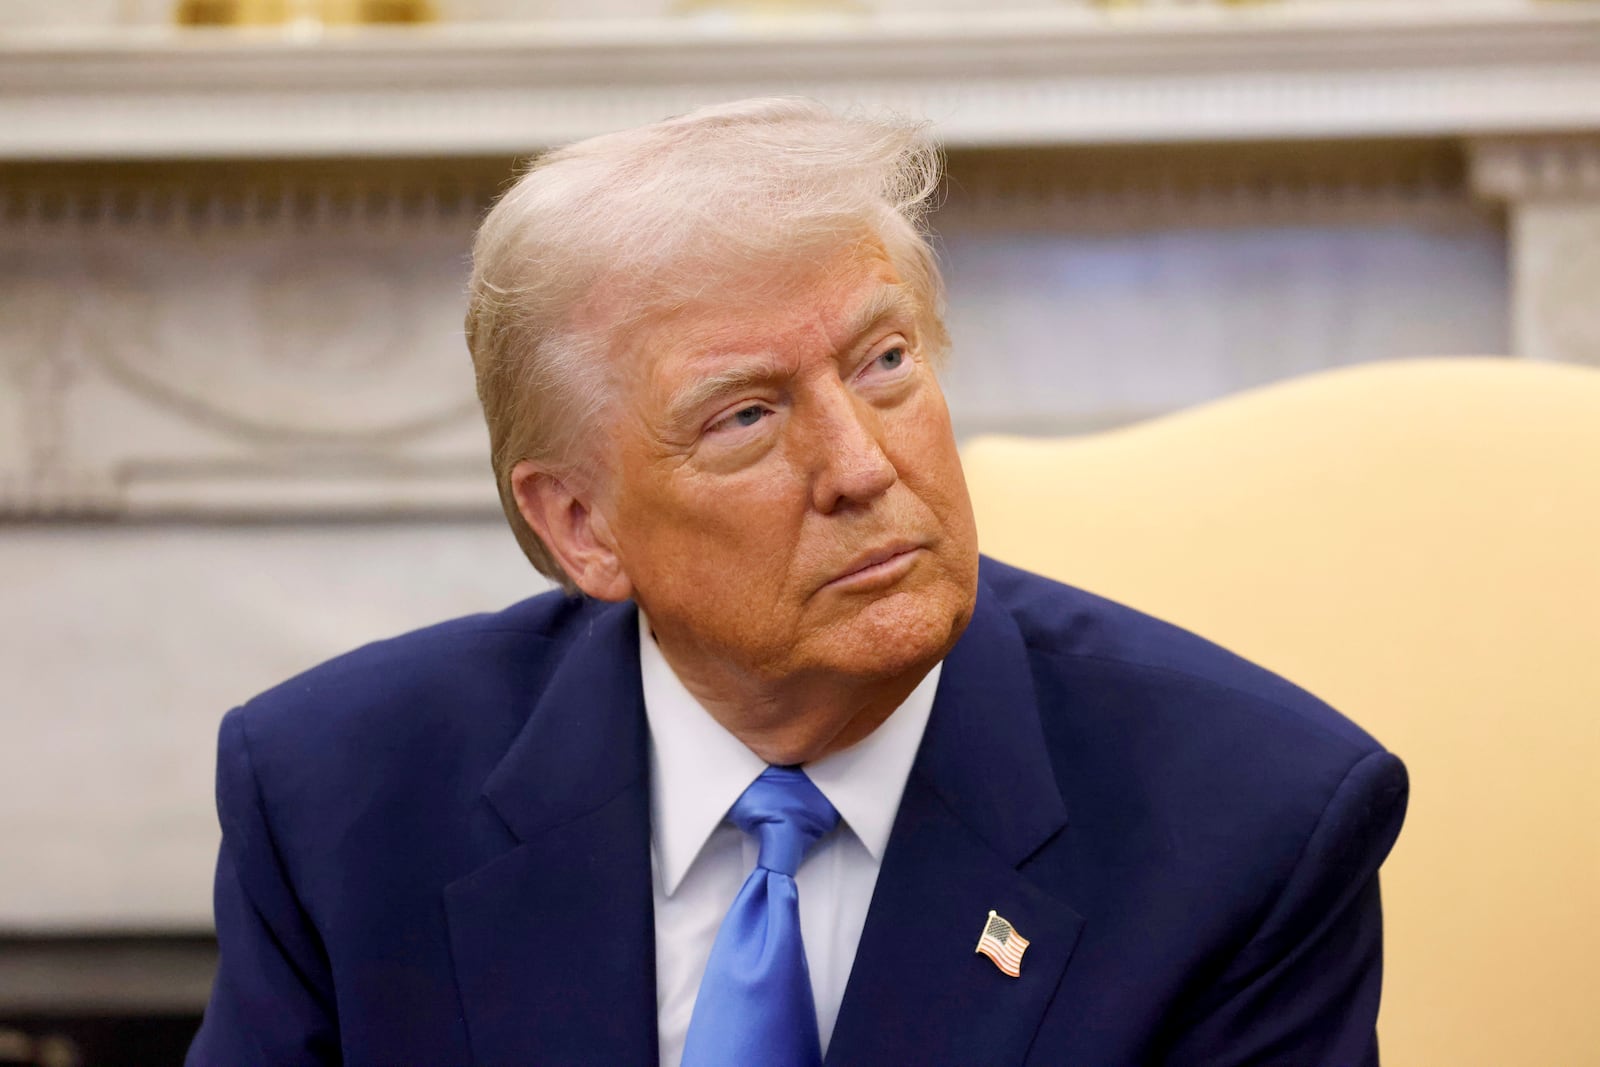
(272, 999)
(1304, 990)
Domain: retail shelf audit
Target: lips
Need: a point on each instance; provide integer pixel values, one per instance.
(873, 558)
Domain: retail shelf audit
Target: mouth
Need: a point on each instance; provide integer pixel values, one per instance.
(879, 567)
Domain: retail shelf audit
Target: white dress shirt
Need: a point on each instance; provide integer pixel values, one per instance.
(700, 860)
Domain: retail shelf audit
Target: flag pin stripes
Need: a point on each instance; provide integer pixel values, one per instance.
(1002, 944)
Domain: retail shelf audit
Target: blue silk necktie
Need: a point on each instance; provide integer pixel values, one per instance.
(755, 1004)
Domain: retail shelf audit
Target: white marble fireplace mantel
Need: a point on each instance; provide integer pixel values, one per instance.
(1032, 75)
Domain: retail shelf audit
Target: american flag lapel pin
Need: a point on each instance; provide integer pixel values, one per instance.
(1002, 944)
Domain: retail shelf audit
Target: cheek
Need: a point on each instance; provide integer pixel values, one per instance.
(705, 531)
(926, 453)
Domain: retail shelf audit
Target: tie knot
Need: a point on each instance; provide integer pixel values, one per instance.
(787, 814)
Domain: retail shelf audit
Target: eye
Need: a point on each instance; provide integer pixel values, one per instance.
(742, 418)
(890, 363)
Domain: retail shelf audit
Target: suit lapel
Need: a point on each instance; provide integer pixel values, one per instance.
(554, 941)
(980, 801)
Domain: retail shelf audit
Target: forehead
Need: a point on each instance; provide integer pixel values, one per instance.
(782, 310)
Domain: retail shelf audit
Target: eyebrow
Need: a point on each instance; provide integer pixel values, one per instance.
(886, 302)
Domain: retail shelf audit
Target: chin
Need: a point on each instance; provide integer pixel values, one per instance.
(900, 632)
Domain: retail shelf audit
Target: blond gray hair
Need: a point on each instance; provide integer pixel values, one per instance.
(661, 216)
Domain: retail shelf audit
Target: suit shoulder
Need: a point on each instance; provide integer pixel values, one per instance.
(1084, 636)
(1179, 758)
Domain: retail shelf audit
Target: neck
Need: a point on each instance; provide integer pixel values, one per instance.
(796, 719)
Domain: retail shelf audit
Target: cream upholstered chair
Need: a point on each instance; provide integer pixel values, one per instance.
(1419, 544)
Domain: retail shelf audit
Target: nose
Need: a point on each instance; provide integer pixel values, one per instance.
(850, 465)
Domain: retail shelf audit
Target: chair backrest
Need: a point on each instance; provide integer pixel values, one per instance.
(1418, 543)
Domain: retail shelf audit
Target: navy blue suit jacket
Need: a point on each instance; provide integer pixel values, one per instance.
(436, 850)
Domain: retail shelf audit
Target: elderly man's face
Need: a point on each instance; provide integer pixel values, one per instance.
(786, 495)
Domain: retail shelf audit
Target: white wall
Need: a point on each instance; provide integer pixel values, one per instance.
(122, 646)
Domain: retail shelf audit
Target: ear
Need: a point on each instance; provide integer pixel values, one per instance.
(561, 511)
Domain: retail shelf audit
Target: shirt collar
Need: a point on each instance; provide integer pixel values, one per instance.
(698, 769)
(864, 781)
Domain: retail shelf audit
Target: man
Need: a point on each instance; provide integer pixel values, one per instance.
(760, 790)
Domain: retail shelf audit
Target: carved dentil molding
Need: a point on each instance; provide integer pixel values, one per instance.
(1537, 168)
(1103, 188)
(1090, 186)
(261, 199)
